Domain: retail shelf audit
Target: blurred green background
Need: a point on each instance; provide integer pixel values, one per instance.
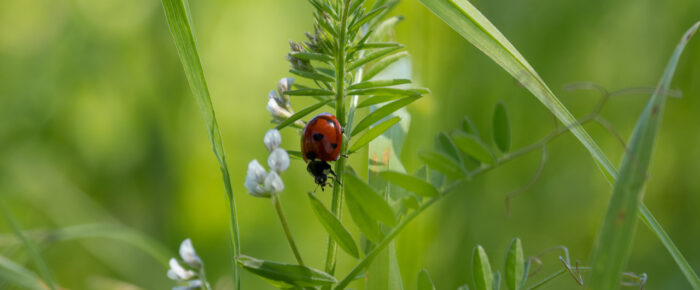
(97, 124)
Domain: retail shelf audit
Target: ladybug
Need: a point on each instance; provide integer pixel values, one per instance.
(320, 143)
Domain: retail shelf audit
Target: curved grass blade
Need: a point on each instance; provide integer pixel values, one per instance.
(382, 112)
(501, 128)
(34, 254)
(333, 226)
(615, 239)
(515, 265)
(380, 65)
(13, 273)
(465, 19)
(374, 100)
(483, 277)
(375, 55)
(410, 183)
(309, 92)
(442, 164)
(373, 133)
(424, 281)
(302, 114)
(471, 145)
(286, 275)
(373, 203)
(378, 83)
(178, 17)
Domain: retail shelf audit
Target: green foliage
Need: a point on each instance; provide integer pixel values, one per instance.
(285, 275)
(441, 163)
(369, 200)
(515, 266)
(373, 133)
(335, 229)
(382, 112)
(301, 114)
(424, 281)
(474, 147)
(483, 277)
(410, 183)
(501, 128)
(614, 242)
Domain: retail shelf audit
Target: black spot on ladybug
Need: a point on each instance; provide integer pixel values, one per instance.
(334, 145)
(310, 155)
(318, 137)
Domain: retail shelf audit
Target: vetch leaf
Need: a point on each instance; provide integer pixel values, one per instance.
(497, 281)
(366, 17)
(483, 277)
(373, 203)
(441, 163)
(472, 146)
(382, 112)
(286, 275)
(501, 128)
(444, 144)
(295, 154)
(302, 114)
(380, 65)
(361, 218)
(372, 133)
(309, 92)
(410, 183)
(387, 91)
(375, 55)
(515, 265)
(312, 75)
(374, 45)
(469, 127)
(373, 100)
(333, 226)
(311, 56)
(378, 83)
(424, 281)
(614, 242)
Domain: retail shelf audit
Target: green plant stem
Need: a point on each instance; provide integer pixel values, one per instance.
(287, 232)
(337, 198)
(29, 245)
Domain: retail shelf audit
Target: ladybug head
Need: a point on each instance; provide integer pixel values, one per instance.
(320, 170)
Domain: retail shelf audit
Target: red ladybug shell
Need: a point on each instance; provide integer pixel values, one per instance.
(322, 138)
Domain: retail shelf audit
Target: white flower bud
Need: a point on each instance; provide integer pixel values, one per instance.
(284, 85)
(272, 139)
(189, 255)
(191, 285)
(179, 273)
(273, 182)
(278, 160)
(255, 178)
(278, 112)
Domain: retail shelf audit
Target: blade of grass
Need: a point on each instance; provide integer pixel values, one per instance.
(38, 261)
(465, 19)
(178, 17)
(13, 273)
(615, 239)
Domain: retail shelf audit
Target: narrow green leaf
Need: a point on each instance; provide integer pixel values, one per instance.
(469, 127)
(361, 218)
(501, 128)
(309, 92)
(424, 281)
(472, 146)
(483, 277)
(444, 144)
(515, 265)
(29, 245)
(380, 65)
(410, 183)
(285, 275)
(177, 15)
(295, 154)
(615, 238)
(382, 112)
(378, 83)
(311, 56)
(374, 100)
(312, 75)
(375, 45)
(497, 281)
(366, 17)
(372, 133)
(387, 91)
(333, 226)
(374, 55)
(441, 163)
(302, 114)
(15, 274)
(373, 203)
(463, 287)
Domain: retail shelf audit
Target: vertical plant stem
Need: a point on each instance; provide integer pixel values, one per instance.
(31, 248)
(337, 198)
(287, 232)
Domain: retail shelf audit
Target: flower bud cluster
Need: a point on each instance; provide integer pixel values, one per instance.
(187, 278)
(258, 181)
